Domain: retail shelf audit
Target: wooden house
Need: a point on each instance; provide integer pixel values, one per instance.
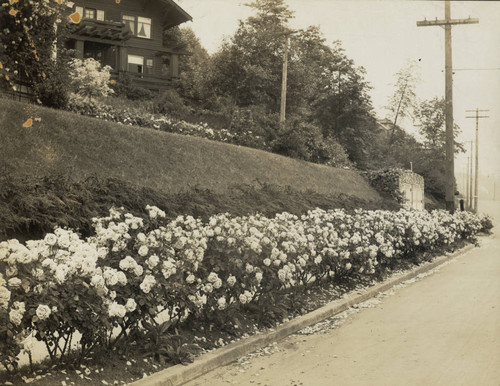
(128, 36)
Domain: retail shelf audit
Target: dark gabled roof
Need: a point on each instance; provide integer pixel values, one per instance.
(174, 14)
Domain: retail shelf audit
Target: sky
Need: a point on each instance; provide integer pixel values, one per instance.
(381, 36)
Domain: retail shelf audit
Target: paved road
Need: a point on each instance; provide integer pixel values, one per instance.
(441, 330)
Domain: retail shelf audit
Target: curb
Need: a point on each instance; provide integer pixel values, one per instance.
(180, 374)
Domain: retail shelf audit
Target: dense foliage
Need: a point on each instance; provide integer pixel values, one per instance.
(32, 31)
(327, 102)
(386, 182)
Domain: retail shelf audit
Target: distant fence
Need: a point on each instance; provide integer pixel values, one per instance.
(20, 93)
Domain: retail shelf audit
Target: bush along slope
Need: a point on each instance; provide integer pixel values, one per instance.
(191, 271)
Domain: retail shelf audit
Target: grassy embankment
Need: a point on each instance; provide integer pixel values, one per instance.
(67, 167)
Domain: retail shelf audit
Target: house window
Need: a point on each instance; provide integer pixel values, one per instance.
(89, 13)
(139, 26)
(165, 67)
(144, 27)
(129, 21)
(136, 63)
(149, 66)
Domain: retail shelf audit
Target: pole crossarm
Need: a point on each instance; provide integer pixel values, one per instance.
(428, 23)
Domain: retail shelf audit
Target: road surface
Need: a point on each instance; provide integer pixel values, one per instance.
(441, 330)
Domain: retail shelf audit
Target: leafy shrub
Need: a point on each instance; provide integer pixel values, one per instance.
(486, 224)
(170, 102)
(125, 87)
(305, 141)
(386, 182)
(53, 92)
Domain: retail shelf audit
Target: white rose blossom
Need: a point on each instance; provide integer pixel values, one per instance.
(231, 280)
(131, 305)
(43, 311)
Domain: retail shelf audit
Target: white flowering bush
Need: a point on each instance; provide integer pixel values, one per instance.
(135, 268)
(127, 116)
(89, 78)
(47, 292)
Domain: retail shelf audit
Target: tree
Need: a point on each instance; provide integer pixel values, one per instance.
(324, 89)
(403, 102)
(32, 33)
(248, 66)
(192, 61)
(429, 160)
(432, 117)
(342, 105)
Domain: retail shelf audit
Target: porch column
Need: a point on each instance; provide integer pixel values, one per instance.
(122, 58)
(79, 48)
(174, 65)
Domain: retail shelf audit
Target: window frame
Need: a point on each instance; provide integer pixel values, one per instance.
(144, 23)
(93, 10)
(97, 12)
(135, 32)
(101, 12)
(137, 64)
(126, 19)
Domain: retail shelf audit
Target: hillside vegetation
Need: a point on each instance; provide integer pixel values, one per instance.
(69, 144)
(66, 169)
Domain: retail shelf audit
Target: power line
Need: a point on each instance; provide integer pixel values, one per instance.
(477, 69)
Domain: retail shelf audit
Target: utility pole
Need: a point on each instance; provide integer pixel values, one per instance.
(284, 78)
(467, 195)
(450, 145)
(470, 178)
(283, 84)
(477, 116)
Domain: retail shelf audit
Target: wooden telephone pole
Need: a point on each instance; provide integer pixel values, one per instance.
(467, 194)
(470, 178)
(283, 84)
(284, 78)
(450, 145)
(477, 116)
